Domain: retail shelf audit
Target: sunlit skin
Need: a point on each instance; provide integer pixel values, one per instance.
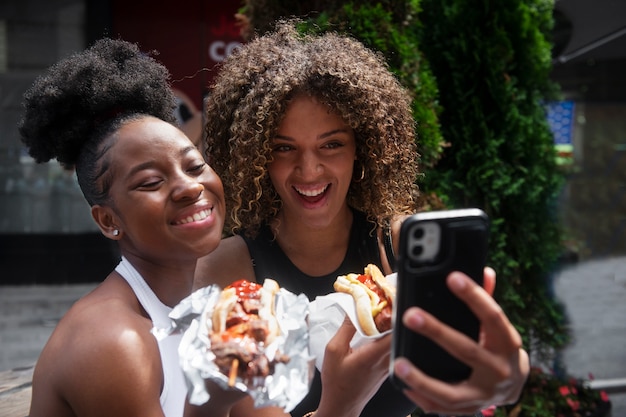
(168, 207)
(165, 184)
(313, 157)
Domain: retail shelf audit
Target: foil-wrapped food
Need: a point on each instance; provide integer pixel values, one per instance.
(249, 337)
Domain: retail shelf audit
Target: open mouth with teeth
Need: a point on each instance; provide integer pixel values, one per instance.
(201, 215)
(312, 195)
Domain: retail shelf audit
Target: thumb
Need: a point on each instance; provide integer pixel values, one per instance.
(344, 334)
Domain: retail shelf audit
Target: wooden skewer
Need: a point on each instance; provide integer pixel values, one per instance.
(232, 376)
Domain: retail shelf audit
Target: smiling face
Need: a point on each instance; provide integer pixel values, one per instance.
(313, 158)
(166, 201)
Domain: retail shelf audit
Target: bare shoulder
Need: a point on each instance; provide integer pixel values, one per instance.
(230, 261)
(101, 349)
(396, 224)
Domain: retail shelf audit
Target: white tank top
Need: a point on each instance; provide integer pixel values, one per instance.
(174, 392)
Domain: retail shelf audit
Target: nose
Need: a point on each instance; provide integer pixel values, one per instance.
(309, 164)
(187, 187)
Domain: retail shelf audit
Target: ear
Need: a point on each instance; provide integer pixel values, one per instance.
(107, 221)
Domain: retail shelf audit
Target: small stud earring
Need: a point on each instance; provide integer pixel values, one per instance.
(116, 232)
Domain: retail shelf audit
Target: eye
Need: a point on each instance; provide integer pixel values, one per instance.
(197, 168)
(150, 183)
(333, 145)
(282, 147)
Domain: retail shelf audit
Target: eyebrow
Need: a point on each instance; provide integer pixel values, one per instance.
(322, 136)
(187, 149)
(184, 151)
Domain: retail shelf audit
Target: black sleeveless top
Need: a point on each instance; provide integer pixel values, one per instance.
(270, 261)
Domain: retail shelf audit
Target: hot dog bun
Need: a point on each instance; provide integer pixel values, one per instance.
(373, 297)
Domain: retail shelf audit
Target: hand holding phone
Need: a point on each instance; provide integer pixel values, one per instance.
(432, 245)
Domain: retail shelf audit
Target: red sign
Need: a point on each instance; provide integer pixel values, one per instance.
(191, 37)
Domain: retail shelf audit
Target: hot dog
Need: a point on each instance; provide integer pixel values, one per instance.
(244, 323)
(373, 297)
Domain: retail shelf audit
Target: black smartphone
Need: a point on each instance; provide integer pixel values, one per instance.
(433, 244)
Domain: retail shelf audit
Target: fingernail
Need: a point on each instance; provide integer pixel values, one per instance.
(457, 282)
(413, 318)
(401, 368)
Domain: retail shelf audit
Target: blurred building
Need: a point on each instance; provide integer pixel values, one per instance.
(589, 65)
(46, 232)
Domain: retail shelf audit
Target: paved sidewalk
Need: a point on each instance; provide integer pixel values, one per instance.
(28, 314)
(594, 293)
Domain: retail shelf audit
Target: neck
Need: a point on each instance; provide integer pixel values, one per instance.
(171, 282)
(306, 245)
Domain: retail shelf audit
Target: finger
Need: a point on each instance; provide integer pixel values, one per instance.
(338, 346)
(503, 368)
(489, 280)
(377, 351)
(433, 395)
(463, 398)
(498, 330)
(454, 342)
(340, 342)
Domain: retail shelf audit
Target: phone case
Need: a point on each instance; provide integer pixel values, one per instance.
(433, 244)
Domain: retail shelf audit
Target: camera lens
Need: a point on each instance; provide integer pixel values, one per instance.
(417, 250)
(418, 233)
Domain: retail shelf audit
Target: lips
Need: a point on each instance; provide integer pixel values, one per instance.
(311, 192)
(312, 196)
(196, 217)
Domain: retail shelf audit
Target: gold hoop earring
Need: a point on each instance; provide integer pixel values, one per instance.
(362, 172)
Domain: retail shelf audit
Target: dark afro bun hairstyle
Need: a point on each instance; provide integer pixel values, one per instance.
(65, 106)
(77, 103)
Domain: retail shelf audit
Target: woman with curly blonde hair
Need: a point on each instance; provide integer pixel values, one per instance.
(314, 140)
(339, 73)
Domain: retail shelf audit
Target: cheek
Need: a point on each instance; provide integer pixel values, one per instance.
(142, 212)
(276, 172)
(345, 168)
(212, 182)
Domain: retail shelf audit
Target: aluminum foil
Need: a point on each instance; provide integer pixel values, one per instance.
(284, 388)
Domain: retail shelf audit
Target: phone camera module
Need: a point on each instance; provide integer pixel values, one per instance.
(417, 250)
(418, 233)
(424, 242)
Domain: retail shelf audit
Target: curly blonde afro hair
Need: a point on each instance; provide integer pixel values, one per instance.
(252, 92)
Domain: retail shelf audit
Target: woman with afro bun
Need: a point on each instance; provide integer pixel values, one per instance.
(107, 112)
(314, 139)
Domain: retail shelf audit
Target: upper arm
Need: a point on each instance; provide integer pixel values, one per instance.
(131, 377)
(109, 370)
(394, 231)
(396, 224)
(230, 261)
